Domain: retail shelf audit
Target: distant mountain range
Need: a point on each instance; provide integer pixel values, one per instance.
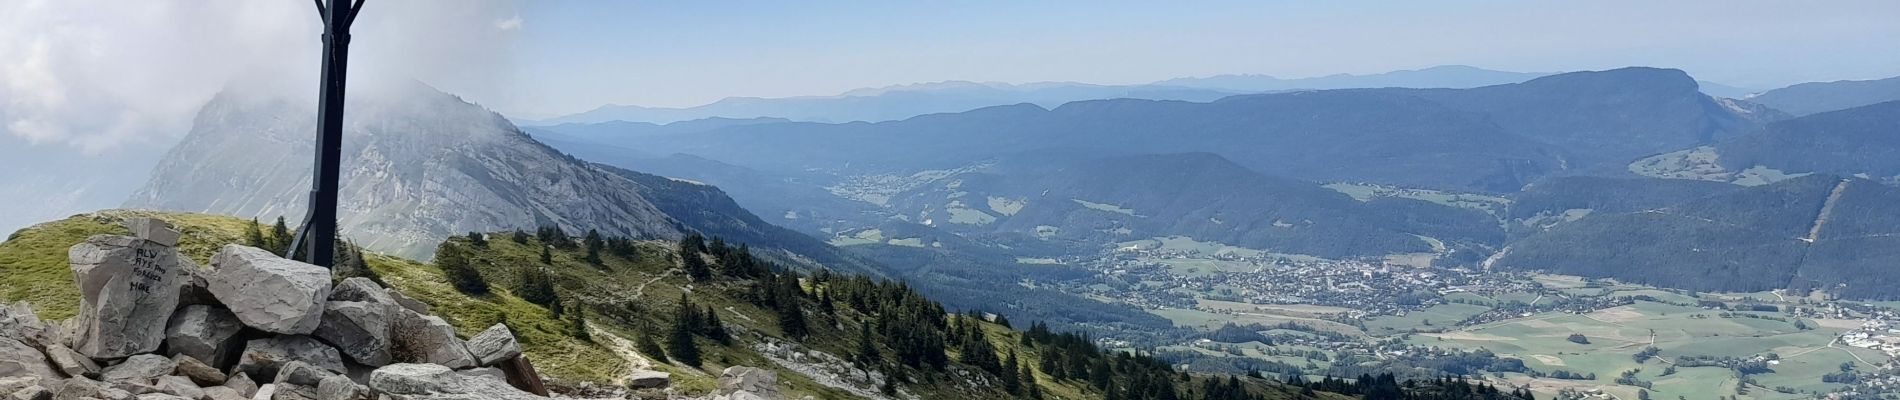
(905, 101)
(1489, 139)
(1819, 97)
(1533, 167)
(1444, 76)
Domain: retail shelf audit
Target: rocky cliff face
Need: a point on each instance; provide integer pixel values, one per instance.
(419, 165)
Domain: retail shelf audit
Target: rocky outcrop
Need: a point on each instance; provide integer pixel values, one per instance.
(270, 293)
(129, 289)
(257, 316)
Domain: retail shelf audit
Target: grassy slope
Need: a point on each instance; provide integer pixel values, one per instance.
(33, 268)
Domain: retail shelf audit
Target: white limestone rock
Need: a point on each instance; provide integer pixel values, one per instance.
(128, 289)
(268, 292)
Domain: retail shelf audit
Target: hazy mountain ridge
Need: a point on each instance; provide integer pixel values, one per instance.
(1444, 76)
(886, 104)
(904, 101)
(420, 165)
(1818, 97)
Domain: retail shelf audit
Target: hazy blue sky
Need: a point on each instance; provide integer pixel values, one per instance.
(576, 55)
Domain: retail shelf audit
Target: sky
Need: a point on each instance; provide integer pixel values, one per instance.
(575, 56)
(92, 92)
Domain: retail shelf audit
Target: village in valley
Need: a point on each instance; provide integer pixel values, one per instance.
(1561, 336)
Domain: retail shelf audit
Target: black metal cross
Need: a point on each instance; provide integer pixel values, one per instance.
(316, 239)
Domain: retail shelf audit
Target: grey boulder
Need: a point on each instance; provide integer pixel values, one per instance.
(430, 381)
(649, 380)
(223, 393)
(128, 289)
(264, 357)
(198, 371)
(496, 344)
(242, 384)
(180, 386)
(71, 362)
(339, 388)
(18, 322)
(361, 289)
(202, 332)
(406, 302)
(143, 368)
(31, 393)
(268, 292)
(429, 339)
(152, 229)
(79, 387)
(749, 380)
(358, 329)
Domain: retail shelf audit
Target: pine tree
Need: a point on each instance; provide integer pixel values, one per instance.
(280, 237)
(649, 347)
(1011, 382)
(580, 323)
(867, 350)
(1027, 379)
(679, 342)
(520, 237)
(694, 264)
(455, 264)
(716, 330)
(254, 235)
(537, 287)
(594, 244)
(547, 257)
(791, 313)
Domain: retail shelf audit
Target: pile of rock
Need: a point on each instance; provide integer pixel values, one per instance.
(152, 325)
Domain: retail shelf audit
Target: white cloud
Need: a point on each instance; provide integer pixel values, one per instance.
(512, 23)
(100, 75)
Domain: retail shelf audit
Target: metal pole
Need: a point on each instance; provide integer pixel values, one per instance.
(316, 239)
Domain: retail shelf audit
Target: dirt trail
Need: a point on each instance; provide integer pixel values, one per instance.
(642, 290)
(1827, 208)
(624, 348)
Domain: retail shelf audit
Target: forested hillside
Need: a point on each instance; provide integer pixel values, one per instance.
(1813, 232)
